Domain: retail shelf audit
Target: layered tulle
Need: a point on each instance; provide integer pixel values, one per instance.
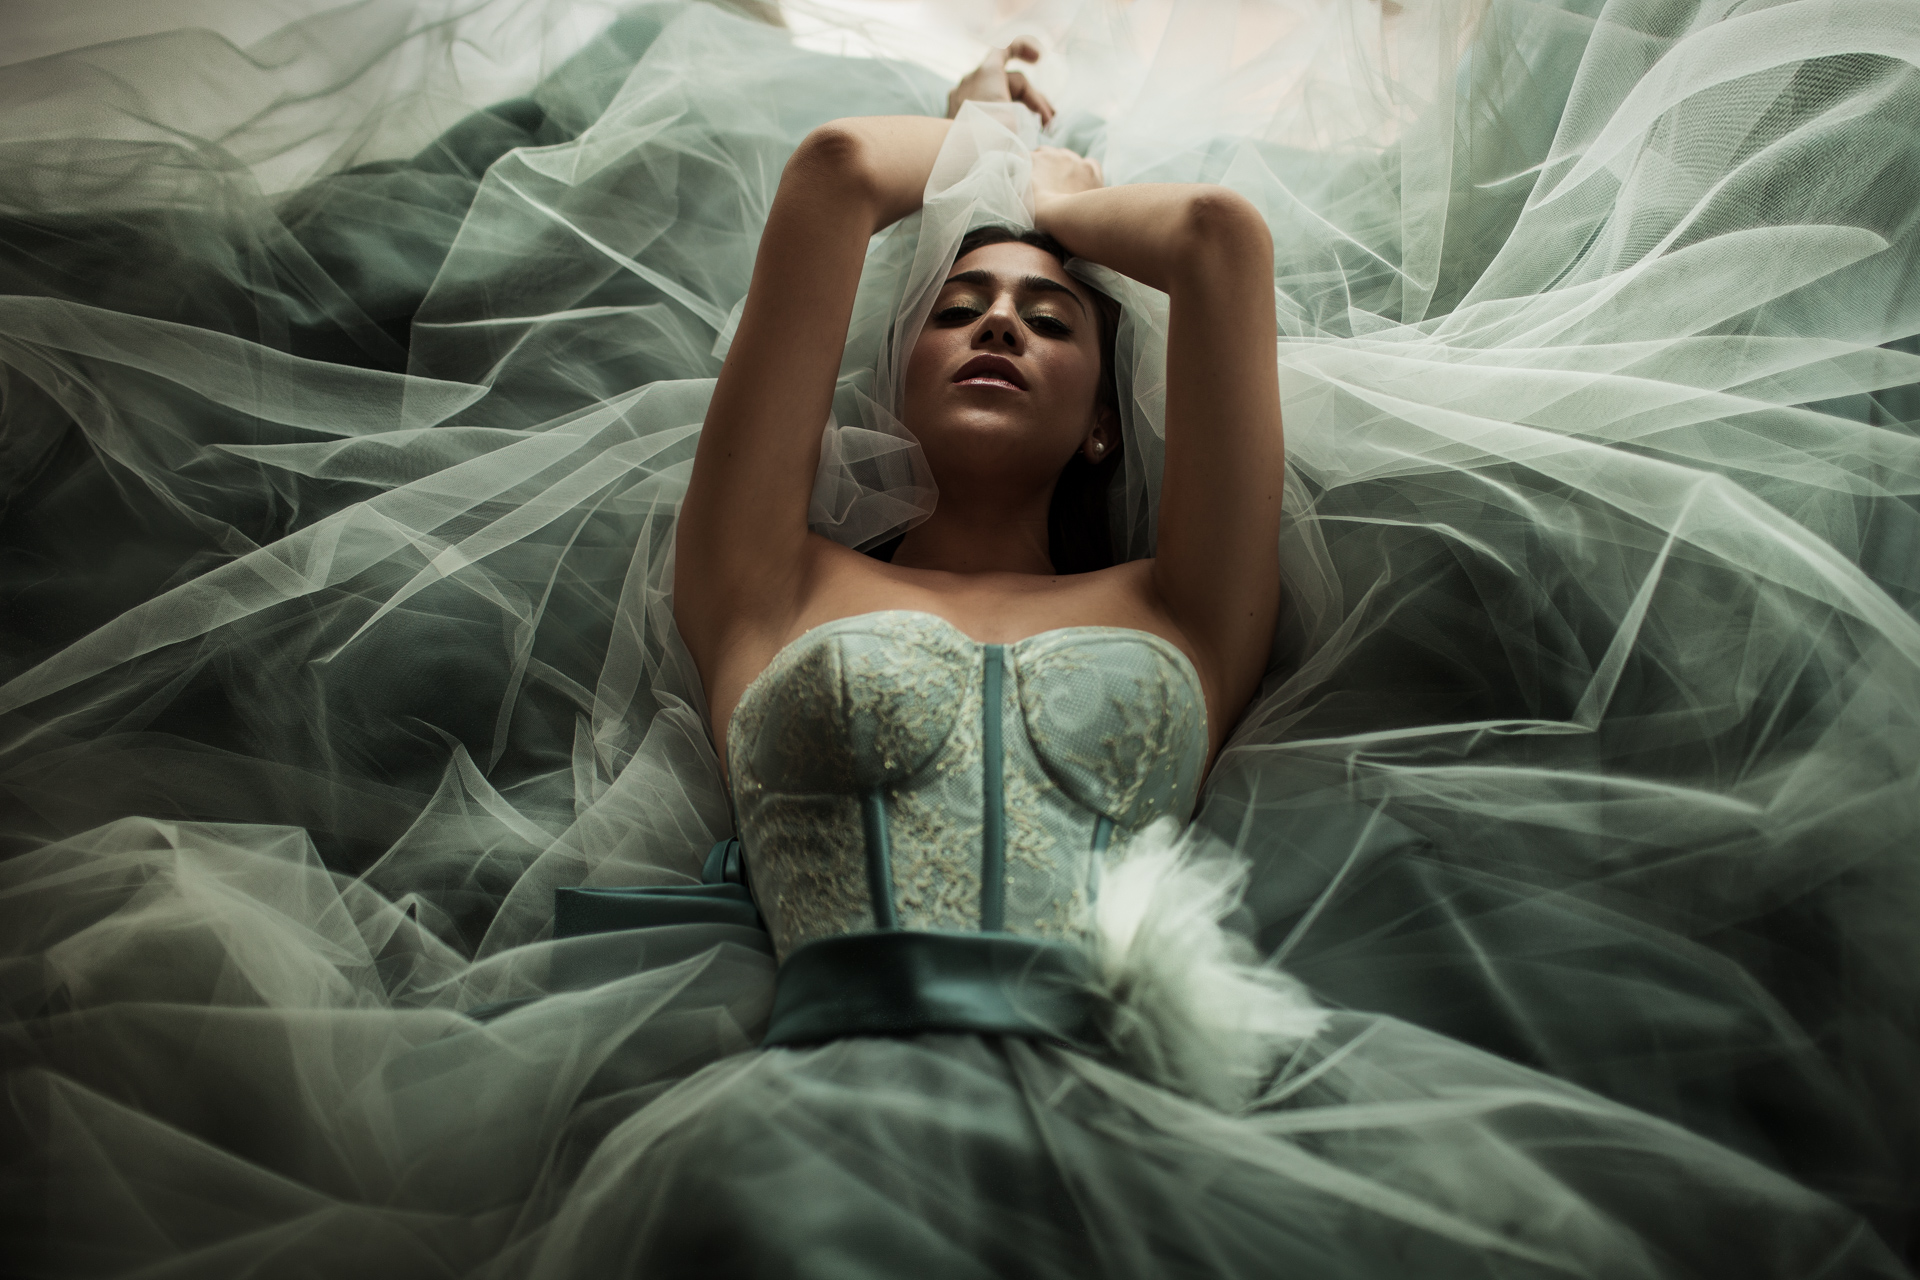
(344, 428)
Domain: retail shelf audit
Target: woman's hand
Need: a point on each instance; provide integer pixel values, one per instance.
(992, 82)
(1060, 172)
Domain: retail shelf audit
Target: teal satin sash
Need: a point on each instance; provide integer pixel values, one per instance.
(905, 982)
(721, 897)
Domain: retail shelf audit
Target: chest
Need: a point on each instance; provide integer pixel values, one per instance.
(993, 775)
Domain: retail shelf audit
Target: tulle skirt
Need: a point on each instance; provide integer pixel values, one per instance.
(255, 1067)
(353, 360)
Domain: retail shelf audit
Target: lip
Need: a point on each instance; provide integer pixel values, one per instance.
(991, 371)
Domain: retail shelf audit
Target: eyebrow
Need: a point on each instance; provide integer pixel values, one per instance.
(1036, 284)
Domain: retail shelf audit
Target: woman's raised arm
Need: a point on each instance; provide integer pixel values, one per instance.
(743, 527)
(1216, 567)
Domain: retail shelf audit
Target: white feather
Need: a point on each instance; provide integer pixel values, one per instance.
(1192, 1009)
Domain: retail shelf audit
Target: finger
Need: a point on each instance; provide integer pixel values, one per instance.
(1022, 49)
(1020, 89)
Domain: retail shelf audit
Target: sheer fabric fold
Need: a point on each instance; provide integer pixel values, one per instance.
(351, 365)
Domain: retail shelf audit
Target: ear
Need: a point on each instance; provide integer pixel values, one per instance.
(1103, 436)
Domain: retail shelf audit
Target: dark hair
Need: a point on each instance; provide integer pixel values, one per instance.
(1078, 534)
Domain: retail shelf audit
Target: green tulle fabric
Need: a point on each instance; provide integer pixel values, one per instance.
(351, 364)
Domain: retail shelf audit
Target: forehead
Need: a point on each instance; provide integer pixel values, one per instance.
(1012, 260)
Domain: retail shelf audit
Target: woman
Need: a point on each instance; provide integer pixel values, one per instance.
(1577, 788)
(932, 887)
(1001, 393)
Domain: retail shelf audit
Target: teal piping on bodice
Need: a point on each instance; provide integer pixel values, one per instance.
(993, 794)
(873, 812)
(993, 814)
(894, 981)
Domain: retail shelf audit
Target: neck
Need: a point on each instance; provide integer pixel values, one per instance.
(964, 537)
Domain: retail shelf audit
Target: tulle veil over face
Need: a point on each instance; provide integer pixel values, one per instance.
(351, 364)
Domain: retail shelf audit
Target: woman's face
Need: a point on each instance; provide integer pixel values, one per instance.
(1002, 386)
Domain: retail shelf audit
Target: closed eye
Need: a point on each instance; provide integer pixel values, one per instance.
(960, 313)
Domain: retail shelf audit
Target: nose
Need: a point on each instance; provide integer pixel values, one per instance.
(1000, 328)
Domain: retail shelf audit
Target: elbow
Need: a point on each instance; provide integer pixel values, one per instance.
(1222, 226)
(837, 153)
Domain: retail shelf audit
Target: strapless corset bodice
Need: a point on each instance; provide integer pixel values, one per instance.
(891, 772)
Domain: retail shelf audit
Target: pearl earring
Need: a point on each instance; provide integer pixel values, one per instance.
(1098, 448)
